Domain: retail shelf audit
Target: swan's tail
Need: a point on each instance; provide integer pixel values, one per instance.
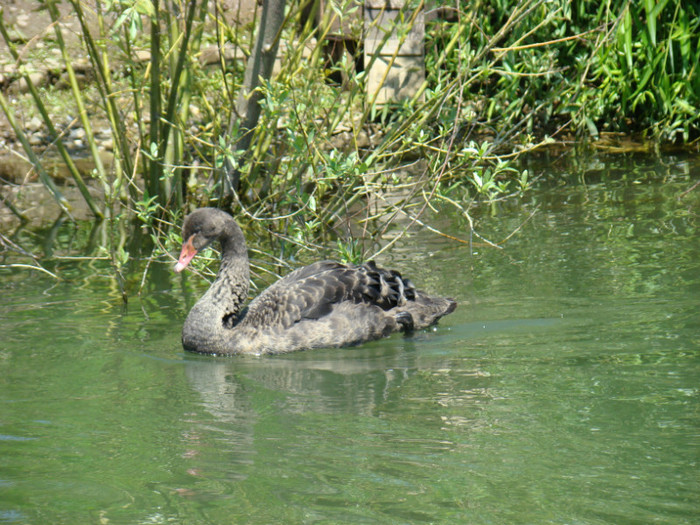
(411, 308)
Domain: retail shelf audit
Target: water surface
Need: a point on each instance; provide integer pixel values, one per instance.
(564, 389)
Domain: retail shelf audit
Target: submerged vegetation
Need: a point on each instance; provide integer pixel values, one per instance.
(502, 78)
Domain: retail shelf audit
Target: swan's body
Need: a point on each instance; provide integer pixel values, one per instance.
(325, 304)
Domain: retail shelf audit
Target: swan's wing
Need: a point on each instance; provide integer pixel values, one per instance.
(313, 292)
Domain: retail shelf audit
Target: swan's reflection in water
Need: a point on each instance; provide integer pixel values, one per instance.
(256, 401)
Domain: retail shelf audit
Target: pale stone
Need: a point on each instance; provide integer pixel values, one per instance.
(35, 124)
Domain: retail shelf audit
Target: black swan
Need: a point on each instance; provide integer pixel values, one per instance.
(325, 304)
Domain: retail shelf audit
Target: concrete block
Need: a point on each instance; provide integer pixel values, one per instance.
(382, 22)
(402, 81)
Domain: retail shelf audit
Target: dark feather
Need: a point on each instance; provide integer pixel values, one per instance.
(313, 291)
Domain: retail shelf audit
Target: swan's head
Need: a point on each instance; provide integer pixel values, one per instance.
(200, 229)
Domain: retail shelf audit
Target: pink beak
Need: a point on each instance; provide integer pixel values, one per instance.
(186, 255)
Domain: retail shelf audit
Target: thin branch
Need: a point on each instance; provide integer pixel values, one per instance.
(31, 267)
(547, 43)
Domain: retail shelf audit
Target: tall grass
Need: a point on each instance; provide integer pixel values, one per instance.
(580, 68)
(651, 70)
(503, 78)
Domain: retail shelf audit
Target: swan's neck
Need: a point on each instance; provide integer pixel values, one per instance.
(217, 310)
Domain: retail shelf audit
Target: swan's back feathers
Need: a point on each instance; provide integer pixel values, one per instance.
(314, 291)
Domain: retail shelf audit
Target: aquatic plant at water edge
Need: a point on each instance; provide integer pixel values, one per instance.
(503, 79)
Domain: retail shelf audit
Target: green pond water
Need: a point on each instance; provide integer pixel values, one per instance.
(564, 389)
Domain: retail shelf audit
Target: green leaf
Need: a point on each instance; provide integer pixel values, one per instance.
(624, 35)
(592, 129)
(651, 20)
